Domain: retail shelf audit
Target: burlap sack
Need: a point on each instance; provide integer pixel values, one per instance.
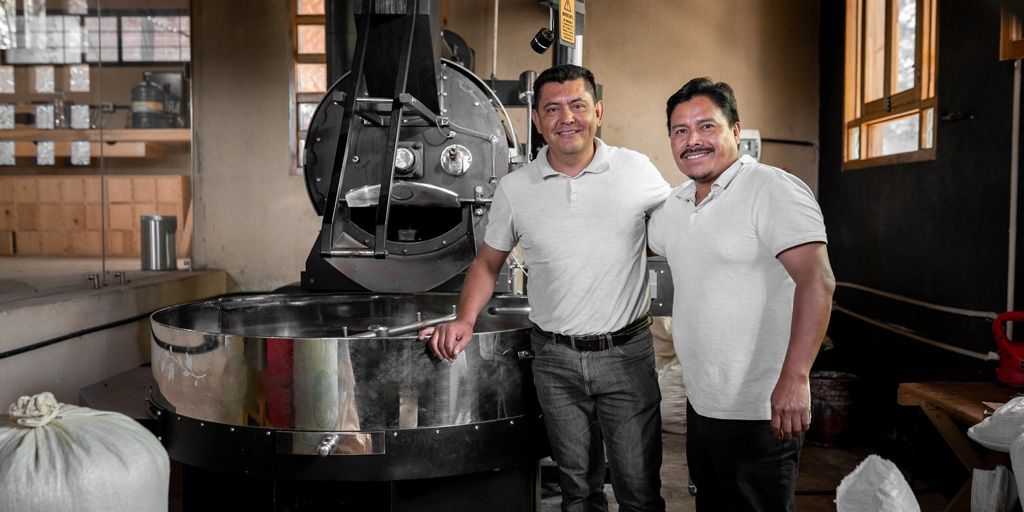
(876, 485)
(673, 397)
(998, 431)
(64, 457)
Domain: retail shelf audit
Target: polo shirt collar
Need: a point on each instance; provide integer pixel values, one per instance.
(689, 193)
(598, 165)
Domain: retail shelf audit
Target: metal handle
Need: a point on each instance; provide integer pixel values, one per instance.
(509, 311)
(384, 331)
(327, 445)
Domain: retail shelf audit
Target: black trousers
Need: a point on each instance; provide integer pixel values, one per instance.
(740, 466)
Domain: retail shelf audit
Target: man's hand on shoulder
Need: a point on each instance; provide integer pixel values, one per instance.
(447, 341)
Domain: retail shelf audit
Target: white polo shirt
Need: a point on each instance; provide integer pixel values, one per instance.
(733, 301)
(583, 238)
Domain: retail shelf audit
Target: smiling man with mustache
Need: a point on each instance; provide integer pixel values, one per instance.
(753, 295)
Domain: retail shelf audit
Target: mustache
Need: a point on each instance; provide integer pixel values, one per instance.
(690, 151)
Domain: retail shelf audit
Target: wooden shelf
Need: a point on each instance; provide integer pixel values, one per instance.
(141, 143)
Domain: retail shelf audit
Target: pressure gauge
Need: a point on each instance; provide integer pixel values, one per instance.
(405, 160)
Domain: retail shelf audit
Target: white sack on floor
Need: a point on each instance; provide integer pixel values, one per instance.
(664, 351)
(1017, 462)
(997, 432)
(673, 397)
(993, 490)
(64, 457)
(876, 485)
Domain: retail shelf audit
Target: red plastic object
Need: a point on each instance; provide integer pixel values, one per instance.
(1011, 355)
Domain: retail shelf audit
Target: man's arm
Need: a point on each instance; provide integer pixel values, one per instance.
(809, 267)
(447, 341)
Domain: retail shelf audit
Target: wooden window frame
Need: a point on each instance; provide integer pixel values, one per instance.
(893, 105)
(1011, 36)
(298, 133)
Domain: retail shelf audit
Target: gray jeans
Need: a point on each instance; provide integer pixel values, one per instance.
(594, 402)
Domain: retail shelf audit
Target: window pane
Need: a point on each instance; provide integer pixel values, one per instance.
(154, 39)
(929, 128)
(907, 45)
(306, 111)
(311, 77)
(311, 39)
(855, 143)
(897, 136)
(311, 7)
(874, 50)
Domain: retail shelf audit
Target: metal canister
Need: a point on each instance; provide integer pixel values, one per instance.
(158, 248)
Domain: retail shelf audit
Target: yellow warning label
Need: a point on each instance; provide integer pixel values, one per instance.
(567, 25)
(147, 106)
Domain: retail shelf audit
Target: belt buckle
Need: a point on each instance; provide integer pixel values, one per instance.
(572, 342)
(601, 340)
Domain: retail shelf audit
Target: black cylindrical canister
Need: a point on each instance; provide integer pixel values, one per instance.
(148, 104)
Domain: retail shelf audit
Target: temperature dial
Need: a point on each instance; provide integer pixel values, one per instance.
(456, 159)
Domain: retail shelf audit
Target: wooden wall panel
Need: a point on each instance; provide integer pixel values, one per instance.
(65, 215)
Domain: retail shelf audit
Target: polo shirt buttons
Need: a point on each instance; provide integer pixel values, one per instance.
(574, 195)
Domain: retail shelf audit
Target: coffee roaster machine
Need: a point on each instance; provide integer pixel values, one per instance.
(324, 399)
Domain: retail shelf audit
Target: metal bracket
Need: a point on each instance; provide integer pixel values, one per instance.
(324, 444)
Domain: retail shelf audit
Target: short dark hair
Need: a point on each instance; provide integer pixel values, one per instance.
(563, 73)
(720, 93)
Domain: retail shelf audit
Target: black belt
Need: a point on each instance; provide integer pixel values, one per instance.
(596, 342)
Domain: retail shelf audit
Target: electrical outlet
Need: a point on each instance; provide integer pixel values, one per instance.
(107, 106)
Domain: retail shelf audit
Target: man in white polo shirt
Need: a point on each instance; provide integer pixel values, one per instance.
(579, 211)
(753, 296)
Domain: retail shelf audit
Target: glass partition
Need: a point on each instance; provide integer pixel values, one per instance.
(95, 143)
